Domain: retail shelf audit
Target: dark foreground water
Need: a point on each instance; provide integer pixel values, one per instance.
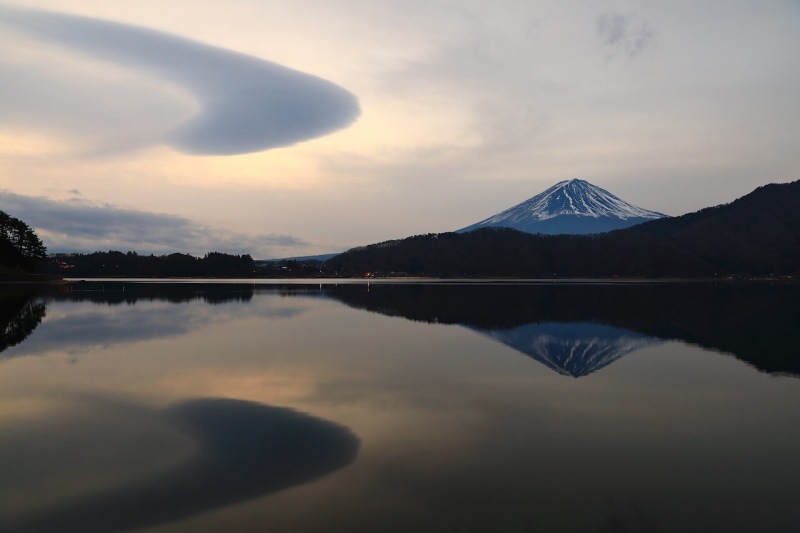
(399, 407)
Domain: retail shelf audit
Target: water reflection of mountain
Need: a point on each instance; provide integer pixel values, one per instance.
(755, 322)
(572, 349)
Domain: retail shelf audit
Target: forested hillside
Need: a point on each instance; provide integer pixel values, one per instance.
(131, 264)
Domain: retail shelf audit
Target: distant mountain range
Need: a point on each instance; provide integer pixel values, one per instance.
(756, 235)
(569, 207)
(319, 257)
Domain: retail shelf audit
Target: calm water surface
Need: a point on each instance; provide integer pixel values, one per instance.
(236, 407)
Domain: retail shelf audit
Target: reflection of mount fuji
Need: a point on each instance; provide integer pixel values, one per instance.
(571, 349)
(578, 328)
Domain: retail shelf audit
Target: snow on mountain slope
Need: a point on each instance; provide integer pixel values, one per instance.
(573, 206)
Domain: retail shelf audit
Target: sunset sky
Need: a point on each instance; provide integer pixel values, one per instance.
(283, 128)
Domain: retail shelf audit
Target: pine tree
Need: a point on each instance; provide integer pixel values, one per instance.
(21, 237)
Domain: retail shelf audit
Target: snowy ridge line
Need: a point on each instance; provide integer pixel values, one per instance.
(571, 206)
(560, 199)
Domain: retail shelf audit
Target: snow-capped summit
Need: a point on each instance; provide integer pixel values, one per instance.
(571, 206)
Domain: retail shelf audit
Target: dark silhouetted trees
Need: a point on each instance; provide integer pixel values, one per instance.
(131, 264)
(20, 247)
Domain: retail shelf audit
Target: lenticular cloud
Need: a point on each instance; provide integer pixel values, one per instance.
(246, 104)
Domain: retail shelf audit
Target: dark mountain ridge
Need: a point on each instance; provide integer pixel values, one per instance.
(756, 235)
(760, 230)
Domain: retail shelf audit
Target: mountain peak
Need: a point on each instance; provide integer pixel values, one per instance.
(570, 206)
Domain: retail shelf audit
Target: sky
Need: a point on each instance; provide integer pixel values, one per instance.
(281, 128)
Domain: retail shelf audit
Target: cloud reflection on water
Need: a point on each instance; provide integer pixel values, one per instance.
(243, 450)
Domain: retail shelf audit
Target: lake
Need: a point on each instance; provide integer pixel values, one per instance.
(399, 406)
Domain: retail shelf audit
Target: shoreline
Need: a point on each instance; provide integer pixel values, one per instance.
(433, 280)
(31, 279)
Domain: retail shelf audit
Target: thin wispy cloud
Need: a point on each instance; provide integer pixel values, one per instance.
(246, 104)
(76, 225)
(621, 33)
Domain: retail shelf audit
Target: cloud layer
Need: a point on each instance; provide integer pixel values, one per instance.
(79, 226)
(246, 104)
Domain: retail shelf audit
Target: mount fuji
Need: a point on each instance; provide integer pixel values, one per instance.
(572, 206)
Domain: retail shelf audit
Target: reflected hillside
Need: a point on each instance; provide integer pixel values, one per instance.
(757, 323)
(20, 314)
(573, 349)
(113, 317)
(112, 292)
(574, 329)
(119, 292)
